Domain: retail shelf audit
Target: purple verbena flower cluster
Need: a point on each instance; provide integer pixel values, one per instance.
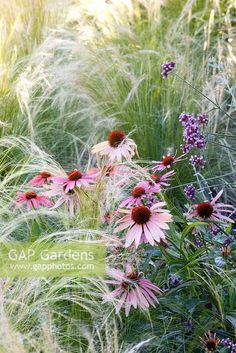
(167, 68)
(227, 342)
(190, 191)
(197, 161)
(174, 280)
(192, 135)
(198, 242)
(202, 119)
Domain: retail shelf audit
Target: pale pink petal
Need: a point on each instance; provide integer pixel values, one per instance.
(213, 201)
(60, 180)
(157, 205)
(151, 294)
(121, 302)
(132, 234)
(147, 296)
(142, 300)
(115, 293)
(59, 202)
(155, 231)
(123, 226)
(148, 284)
(134, 299)
(139, 232)
(148, 235)
(221, 217)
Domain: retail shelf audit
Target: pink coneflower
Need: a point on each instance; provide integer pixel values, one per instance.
(166, 162)
(32, 199)
(117, 147)
(146, 224)
(156, 181)
(75, 179)
(211, 210)
(137, 195)
(132, 290)
(41, 178)
(70, 199)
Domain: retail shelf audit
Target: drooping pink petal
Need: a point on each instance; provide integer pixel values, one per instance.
(213, 201)
(133, 232)
(121, 302)
(123, 226)
(60, 180)
(147, 296)
(148, 234)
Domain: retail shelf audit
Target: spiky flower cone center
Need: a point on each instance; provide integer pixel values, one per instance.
(74, 175)
(131, 277)
(211, 345)
(204, 209)
(210, 341)
(167, 160)
(115, 138)
(45, 175)
(137, 192)
(156, 178)
(225, 251)
(30, 195)
(141, 214)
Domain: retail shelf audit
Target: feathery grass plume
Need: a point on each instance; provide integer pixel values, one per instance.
(22, 24)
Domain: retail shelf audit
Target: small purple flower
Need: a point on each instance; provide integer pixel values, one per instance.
(202, 119)
(228, 240)
(233, 348)
(200, 142)
(167, 68)
(174, 280)
(186, 148)
(188, 325)
(191, 130)
(197, 161)
(226, 342)
(198, 242)
(190, 191)
(185, 118)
